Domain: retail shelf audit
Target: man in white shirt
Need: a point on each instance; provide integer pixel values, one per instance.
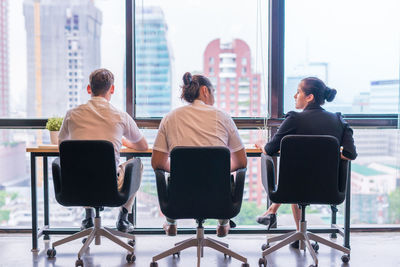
(197, 124)
(99, 120)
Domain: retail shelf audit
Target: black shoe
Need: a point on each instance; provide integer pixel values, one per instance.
(295, 244)
(268, 220)
(87, 223)
(123, 225)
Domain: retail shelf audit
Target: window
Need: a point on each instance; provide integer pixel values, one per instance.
(218, 53)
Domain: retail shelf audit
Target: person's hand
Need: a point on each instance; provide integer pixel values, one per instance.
(124, 142)
(343, 157)
(260, 145)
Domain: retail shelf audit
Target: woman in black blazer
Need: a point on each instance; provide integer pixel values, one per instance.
(311, 94)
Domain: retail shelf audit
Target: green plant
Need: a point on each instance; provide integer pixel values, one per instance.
(54, 124)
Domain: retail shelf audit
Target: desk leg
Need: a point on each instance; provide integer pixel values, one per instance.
(34, 205)
(347, 210)
(46, 195)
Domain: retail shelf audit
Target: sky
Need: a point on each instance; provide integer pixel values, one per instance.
(359, 39)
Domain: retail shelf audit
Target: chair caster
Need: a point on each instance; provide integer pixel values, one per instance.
(79, 263)
(227, 256)
(130, 258)
(264, 246)
(262, 262)
(346, 258)
(84, 240)
(131, 243)
(245, 264)
(51, 253)
(46, 237)
(315, 246)
(333, 235)
(153, 264)
(177, 254)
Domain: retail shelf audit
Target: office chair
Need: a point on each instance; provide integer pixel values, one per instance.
(85, 175)
(200, 187)
(310, 172)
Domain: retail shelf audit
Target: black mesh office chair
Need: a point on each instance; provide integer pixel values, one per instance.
(310, 172)
(200, 187)
(85, 175)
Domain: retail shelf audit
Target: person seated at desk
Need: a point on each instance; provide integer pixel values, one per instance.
(99, 120)
(313, 120)
(197, 124)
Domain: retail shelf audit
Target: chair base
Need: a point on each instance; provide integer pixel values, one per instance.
(94, 233)
(200, 242)
(304, 237)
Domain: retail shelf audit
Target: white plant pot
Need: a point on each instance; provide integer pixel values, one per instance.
(54, 137)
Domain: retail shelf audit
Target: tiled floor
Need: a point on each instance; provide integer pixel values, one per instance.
(376, 249)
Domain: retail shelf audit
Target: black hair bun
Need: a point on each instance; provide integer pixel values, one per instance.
(187, 78)
(330, 94)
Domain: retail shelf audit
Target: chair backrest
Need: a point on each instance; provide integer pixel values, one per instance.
(309, 171)
(88, 174)
(200, 184)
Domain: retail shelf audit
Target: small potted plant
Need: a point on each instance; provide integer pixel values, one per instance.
(54, 125)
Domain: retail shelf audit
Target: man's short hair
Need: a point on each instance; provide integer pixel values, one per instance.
(100, 81)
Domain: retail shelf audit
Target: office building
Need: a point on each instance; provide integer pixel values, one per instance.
(63, 48)
(384, 97)
(238, 92)
(153, 63)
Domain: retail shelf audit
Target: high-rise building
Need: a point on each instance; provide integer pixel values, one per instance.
(4, 62)
(153, 63)
(63, 48)
(384, 97)
(238, 92)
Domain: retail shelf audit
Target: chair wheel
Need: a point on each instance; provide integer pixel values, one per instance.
(78, 263)
(177, 254)
(51, 253)
(333, 235)
(226, 255)
(345, 258)
(46, 237)
(262, 262)
(264, 246)
(153, 264)
(131, 243)
(245, 264)
(130, 258)
(84, 240)
(315, 246)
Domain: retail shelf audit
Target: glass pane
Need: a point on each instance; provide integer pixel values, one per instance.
(227, 45)
(51, 47)
(353, 46)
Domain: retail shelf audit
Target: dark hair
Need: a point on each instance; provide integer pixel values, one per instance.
(191, 86)
(100, 81)
(321, 92)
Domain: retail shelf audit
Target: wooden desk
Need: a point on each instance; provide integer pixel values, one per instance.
(45, 230)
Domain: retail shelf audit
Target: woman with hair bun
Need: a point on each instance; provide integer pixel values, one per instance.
(313, 120)
(197, 124)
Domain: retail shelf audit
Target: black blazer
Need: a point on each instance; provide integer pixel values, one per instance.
(314, 120)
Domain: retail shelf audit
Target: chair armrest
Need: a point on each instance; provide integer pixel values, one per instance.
(239, 185)
(162, 190)
(268, 174)
(132, 177)
(56, 170)
(343, 175)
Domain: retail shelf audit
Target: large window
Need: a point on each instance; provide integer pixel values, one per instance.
(220, 39)
(351, 45)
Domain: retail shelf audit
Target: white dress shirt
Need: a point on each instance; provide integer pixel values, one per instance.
(197, 124)
(99, 120)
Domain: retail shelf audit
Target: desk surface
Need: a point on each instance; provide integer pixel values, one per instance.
(54, 149)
